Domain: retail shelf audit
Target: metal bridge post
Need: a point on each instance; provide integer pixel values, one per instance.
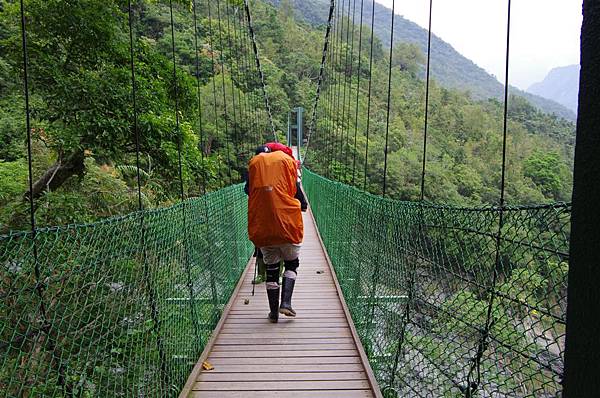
(582, 355)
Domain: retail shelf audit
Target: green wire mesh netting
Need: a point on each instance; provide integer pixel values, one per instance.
(436, 315)
(122, 307)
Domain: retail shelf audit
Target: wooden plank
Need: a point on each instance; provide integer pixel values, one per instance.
(288, 341)
(337, 367)
(261, 310)
(247, 318)
(281, 376)
(282, 354)
(288, 394)
(275, 335)
(304, 293)
(310, 306)
(287, 347)
(289, 328)
(285, 361)
(298, 321)
(282, 385)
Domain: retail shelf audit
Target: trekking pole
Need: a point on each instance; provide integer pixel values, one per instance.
(255, 273)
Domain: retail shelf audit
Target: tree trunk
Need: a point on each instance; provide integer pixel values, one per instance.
(56, 175)
(582, 355)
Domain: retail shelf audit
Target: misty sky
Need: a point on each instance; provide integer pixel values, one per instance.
(544, 33)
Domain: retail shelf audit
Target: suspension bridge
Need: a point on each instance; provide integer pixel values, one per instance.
(394, 298)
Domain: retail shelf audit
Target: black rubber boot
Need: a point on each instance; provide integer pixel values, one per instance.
(273, 295)
(287, 288)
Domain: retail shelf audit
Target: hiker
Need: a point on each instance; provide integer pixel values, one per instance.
(261, 274)
(275, 223)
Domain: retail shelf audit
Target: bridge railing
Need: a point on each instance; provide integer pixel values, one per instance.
(436, 313)
(121, 307)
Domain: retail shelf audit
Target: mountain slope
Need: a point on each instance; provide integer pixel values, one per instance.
(560, 85)
(448, 66)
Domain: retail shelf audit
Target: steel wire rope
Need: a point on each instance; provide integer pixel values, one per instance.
(338, 61)
(357, 91)
(146, 272)
(312, 126)
(412, 269)
(246, 147)
(198, 99)
(230, 270)
(389, 98)
(205, 212)
(331, 92)
(260, 71)
(427, 80)
(224, 90)
(232, 73)
(250, 82)
(346, 165)
(323, 71)
(214, 77)
(334, 96)
(181, 184)
(369, 95)
(472, 387)
(39, 284)
(249, 87)
(256, 104)
(331, 96)
(344, 126)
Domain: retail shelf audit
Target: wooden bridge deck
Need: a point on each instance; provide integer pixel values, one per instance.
(316, 354)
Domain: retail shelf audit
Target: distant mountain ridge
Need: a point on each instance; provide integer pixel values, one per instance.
(561, 85)
(448, 66)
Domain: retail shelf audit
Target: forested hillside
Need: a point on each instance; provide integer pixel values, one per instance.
(83, 148)
(464, 153)
(448, 67)
(83, 144)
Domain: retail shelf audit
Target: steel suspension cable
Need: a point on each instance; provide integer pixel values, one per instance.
(312, 125)
(232, 74)
(335, 104)
(427, 79)
(224, 90)
(176, 95)
(344, 131)
(39, 284)
(205, 209)
(357, 91)
(369, 95)
(241, 82)
(181, 186)
(338, 61)
(214, 77)
(331, 91)
(346, 166)
(150, 291)
(260, 71)
(389, 98)
(406, 318)
(198, 99)
(332, 85)
(483, 344)
(249, 87)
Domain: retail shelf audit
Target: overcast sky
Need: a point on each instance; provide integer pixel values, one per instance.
(544, 33)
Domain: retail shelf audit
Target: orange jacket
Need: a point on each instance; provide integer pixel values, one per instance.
(274, 215)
